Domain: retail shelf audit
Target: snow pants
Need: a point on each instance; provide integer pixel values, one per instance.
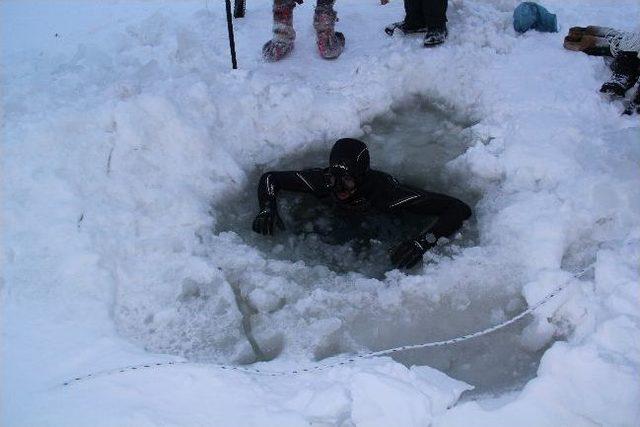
(431, 14)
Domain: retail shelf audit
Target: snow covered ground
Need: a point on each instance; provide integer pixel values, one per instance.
(128, 147)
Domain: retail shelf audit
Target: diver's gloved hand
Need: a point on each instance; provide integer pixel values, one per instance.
(407, 254)
(265, 220)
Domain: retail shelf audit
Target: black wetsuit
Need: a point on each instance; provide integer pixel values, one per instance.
(378, 192)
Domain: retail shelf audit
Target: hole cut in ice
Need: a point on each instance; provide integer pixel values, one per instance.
(260, 309)
(413, 143)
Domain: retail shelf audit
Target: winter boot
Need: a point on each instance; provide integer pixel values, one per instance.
(626, 69)
(435, 36)
(591, 45)
(330, 42)
(575, 33)
(283, 33)
(391, 28)
(592, 40)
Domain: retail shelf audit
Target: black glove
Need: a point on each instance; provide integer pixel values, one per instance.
(264, 221)
(407, 254)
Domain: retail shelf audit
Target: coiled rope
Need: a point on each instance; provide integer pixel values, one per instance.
(344, 360)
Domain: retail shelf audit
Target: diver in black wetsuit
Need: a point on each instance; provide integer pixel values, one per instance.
(355, 189)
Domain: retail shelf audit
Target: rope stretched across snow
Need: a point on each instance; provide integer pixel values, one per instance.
(341, 361)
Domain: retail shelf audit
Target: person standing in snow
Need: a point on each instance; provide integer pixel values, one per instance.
(330, 43)
(355, 190)
(423, 16)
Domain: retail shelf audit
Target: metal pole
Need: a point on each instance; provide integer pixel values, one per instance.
(232, 43)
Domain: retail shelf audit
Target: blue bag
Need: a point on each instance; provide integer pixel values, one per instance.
(530, 15)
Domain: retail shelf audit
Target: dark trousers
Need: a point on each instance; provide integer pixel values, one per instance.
(425, 13)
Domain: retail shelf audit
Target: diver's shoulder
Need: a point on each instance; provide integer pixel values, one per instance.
(383, 178)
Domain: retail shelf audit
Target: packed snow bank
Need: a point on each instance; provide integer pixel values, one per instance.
(374, 393)
(125, 136)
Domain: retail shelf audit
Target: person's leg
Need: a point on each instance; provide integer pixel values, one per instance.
(625, 72)
(435, 18)
(330, 42)
(592, 40)
(434, 13)
(413, 19)
(283, 33)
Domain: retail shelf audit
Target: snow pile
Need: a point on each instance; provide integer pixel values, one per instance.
(129, 147)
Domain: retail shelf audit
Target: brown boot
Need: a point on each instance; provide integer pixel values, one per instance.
(591, 30)
(575, 34)
(591, 45)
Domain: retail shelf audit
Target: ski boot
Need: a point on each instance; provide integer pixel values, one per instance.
(283, 33)
(626, 70)
(330, 43)
(435, 36)
(391, 28)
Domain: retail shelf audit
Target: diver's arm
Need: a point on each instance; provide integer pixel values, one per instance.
(449, 211)
(304, 181)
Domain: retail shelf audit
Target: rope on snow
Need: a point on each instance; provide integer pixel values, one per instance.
(345, 360)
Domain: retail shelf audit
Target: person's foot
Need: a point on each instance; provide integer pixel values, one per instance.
(274, 50)
(613, 88)
(391, 28)
(330, 42)
(435, 37)
(331, 46)
(580, 43)
(575, 34)
(591, 45)
(283, 33)
(625, 72)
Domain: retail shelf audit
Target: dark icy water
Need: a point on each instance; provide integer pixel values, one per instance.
(413, 143)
